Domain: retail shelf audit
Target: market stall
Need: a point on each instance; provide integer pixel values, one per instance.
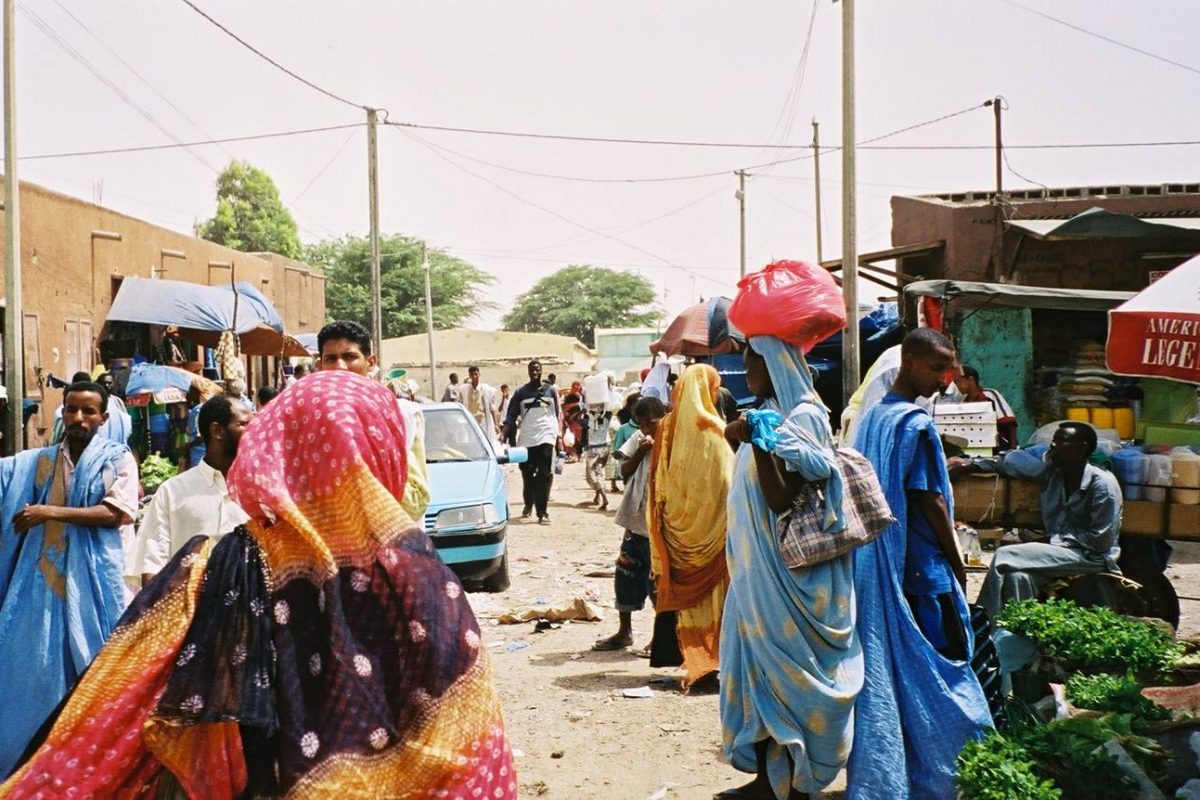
(172, 321)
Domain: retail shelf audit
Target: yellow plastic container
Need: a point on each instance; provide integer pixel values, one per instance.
(1080, 414)
(1124, 422)
(1103, 418)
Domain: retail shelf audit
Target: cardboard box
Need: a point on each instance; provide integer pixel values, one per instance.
(1185, 522)
(980, 499)
(1025, 503)
(1143, 518)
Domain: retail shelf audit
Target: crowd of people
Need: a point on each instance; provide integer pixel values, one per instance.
(280, 623)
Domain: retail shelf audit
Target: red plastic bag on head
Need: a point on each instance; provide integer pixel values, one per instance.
(796, 301)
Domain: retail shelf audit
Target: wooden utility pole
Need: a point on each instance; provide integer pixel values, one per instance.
(741, 198)
(14, 346)
(816, 146)
(850, 363)
(373, 201)
(997, 106)
(429, 322)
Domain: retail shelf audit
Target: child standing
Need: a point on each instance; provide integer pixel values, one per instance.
(598, 432)
(631, 581)
(626, 428)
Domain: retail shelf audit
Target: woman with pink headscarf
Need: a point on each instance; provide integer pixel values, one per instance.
(322, 649)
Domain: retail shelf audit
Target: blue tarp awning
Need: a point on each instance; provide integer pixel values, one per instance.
(193, 306)
(203, 313)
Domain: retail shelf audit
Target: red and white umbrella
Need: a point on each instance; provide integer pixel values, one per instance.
(1156, 334)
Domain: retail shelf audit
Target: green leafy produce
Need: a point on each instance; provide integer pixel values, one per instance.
(156, 469)
(996, 768)
(1070, 752)
(1105, 692)
(1091, 638)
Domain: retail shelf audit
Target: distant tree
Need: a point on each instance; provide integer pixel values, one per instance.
(455, 285)
(250, 216)
(578, 299)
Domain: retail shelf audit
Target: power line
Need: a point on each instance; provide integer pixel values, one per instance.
(84, 62)
(337, 153)
(225, 140)
(1102, 37)
(787, 113)
(554, 213)
(145, 81)
(578, 238)
(268, 59)
(676, 178)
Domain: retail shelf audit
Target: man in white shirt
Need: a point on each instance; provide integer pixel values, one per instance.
(480, 401)
(536, 411)
(196, 502)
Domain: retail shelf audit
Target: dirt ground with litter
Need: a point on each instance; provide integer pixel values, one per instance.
(577, 736)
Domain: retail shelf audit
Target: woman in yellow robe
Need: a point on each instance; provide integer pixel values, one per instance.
(693, 467)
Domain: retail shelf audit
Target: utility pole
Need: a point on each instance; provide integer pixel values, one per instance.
(996, 109)
(816, 146)
(850, 365)
(14, 347)
(741, 198)
(373, 194)
(429, 322)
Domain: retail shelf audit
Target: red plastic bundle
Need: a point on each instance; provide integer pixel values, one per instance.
(796, 301)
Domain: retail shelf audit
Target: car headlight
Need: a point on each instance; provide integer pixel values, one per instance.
(466, 517)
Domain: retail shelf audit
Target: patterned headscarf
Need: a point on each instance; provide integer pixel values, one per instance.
(328, 457)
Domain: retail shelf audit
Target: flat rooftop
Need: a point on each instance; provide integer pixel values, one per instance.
(1065, 193)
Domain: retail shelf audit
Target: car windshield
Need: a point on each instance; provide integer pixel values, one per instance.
(450, 436)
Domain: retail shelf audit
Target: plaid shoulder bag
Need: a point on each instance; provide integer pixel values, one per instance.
(802, 543)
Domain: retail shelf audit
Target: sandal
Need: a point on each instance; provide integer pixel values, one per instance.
(611, 643)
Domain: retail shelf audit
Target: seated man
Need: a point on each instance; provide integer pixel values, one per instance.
(1081, 512)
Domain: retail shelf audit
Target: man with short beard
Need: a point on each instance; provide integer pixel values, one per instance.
(196, 502)
(64, 513)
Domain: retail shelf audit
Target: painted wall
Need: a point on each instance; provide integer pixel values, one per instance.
(999, 343)
(74, 255)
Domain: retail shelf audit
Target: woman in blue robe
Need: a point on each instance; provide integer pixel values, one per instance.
(791, 664)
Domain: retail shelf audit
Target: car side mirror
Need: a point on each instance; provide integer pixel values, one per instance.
(513, 455)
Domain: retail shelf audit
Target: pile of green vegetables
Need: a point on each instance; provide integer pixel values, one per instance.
(156, 469)
(1060, 760)
(1091, 639)
(1065, 759)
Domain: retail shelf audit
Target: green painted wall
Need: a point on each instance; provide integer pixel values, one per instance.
(999, 343)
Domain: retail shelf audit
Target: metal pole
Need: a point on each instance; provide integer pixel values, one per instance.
(816, 146)
(429, 322)
(741, 198)
(850, 365)
(14, 347)
(373, 190)
(999, 147)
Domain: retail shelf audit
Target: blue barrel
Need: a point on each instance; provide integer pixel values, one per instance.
(1131, 466)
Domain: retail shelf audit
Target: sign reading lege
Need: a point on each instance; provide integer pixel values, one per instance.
(1157, 332)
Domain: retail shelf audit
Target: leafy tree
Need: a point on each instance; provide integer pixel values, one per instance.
(578, 299)
(250, 216)
(456, 286)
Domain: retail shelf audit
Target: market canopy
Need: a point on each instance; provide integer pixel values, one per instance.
(1157, 333)
(1009, 294)
(1097, 223)
(203, 313)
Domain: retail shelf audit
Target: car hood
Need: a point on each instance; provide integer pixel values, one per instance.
(462, 483)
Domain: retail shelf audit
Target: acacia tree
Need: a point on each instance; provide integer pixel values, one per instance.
(455, 285)
(250, 216)
(578, 299)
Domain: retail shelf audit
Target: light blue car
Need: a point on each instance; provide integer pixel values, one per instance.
(467, 517)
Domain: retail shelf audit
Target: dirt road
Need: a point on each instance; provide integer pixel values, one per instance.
(578, 736)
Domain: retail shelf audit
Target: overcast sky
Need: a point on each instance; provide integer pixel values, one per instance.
(695, 70)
